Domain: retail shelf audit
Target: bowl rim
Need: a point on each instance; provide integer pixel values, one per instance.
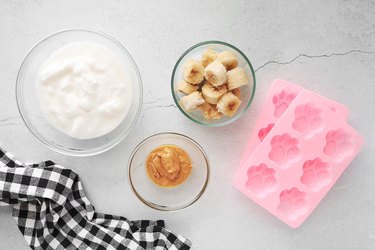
(162, 207)
(59, 148)
(233, 119)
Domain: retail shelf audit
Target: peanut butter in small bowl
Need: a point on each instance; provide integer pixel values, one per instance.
(168, 165)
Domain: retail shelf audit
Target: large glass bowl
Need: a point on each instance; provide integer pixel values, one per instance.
(195, 52)
(32, 115)
(168, 198)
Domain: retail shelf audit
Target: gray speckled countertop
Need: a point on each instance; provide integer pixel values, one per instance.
(326, 46)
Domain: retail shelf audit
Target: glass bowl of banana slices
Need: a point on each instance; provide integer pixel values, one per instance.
(213, 83)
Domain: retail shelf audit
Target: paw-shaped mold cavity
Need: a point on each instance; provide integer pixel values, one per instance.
(263, 132)
(261, 180)
(284, 148)
(338, 144)
(307, 119)
(281, 101)
(293, 203)
(316, 174)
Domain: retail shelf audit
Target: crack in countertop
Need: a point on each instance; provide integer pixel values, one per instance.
(157, 106)
(10, 118)
(160, 106)
(8, 124)
(152, 107)
(314, 56)
(153, 101)
(9, 121)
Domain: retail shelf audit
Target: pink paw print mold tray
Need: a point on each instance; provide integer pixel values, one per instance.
(300, 158)
(281, 95)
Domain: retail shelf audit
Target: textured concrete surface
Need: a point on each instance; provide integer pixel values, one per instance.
(326, 46)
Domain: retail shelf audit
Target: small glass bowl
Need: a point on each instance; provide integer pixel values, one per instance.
(195, 52)
(168, 198)
(32, 115)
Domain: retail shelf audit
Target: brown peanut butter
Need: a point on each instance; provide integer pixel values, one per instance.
(168, 165)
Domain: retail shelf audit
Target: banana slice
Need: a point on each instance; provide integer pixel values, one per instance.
(215, 73)
(236, 78)
(236, 92)
(210, 112)
(208, 57)
(191, 101)
(186, 87)
(193, 72)
(228, 59)
(228, 104)
(212, 94)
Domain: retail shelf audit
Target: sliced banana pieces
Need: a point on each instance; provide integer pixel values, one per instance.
(213, 84)
(212, 94)
(236, 78)
(210, 111)
(193, 72)
(228, 59)
(236, 92)
(186, 87)
(192, 101)
(215, 73)
(228, 104)
(208, 57)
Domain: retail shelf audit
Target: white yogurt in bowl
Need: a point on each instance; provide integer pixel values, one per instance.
(79, 92)
(83, 90)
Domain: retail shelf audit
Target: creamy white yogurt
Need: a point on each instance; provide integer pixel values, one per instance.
(84, 90)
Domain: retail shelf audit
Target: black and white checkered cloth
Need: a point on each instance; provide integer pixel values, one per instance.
(53, 212)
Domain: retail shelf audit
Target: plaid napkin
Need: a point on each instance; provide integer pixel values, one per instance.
(53, 212)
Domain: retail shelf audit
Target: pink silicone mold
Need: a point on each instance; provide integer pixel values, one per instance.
(293, 203)
(261, 180)
(282, 100)
(316, 174)
(295, 165)
(263, 132)
(307, 119)
(281, 95)
(284, 149)
(338, 144)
